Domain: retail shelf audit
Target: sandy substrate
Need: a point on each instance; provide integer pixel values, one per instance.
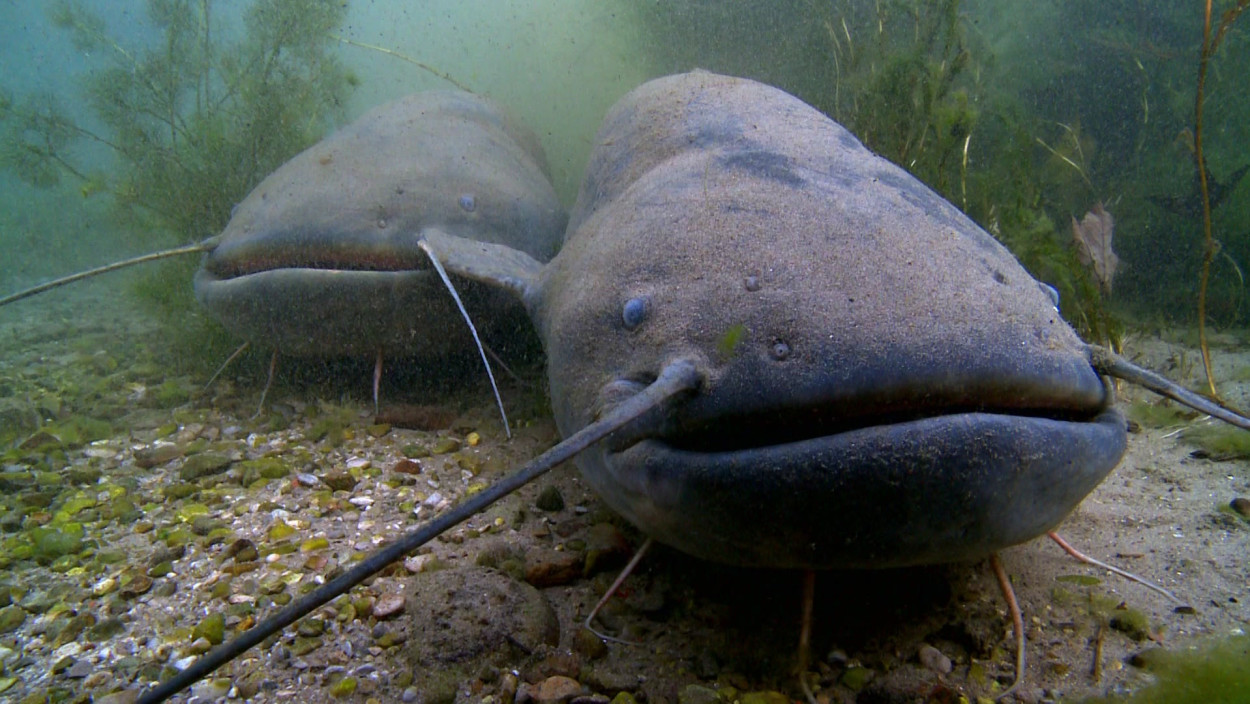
(467, 622)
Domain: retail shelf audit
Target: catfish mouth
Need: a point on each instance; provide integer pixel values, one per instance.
(940, 469)
(776, 427)
(737, 418)
(319, 252)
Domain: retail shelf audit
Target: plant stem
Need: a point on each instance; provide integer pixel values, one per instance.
(1209, 45)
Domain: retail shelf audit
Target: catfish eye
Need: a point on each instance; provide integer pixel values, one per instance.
(1050, 291)
(780, 351)
(634, 312)
(468, 203)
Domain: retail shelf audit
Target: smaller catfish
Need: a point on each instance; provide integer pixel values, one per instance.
(755, 315)
(320, 260)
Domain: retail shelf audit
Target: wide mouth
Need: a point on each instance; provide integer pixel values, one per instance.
(738, 415)
(338, 252)
(870, 480)
(779, 427)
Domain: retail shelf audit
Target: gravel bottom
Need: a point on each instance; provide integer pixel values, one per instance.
(144, 520)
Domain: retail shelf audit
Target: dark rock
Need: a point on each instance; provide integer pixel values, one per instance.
(550, 499)
(549, 568)
(469, 619)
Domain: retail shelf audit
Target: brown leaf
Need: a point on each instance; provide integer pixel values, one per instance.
(1092, 236)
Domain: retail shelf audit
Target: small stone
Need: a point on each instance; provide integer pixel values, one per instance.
(550, 499)
(157, 454)
(556, 689)
(311, 627)
(407, 466)
(314, 544)
(344, 687)
(134, 584)
(104, 587)
(934, 659)
(280, 529)
(79, 670)
(419, 563)
(97, 679)
(549, 568)
(203, 465)
(589, 645)
(768, 697)
(697, 694)
(106, 629)
(444, 446)
(212, 627)
(1241, 505)
(388, 605)
(125, 696)
(199, 646)
(11, 617)
(338, 480)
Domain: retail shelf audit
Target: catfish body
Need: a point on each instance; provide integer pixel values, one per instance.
(320, 259)
(883, 383)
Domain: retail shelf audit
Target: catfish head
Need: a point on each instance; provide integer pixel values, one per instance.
(881, 383)
(317, 260)
(884, 384)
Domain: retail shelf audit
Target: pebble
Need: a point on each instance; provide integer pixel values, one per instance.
(549, 568)
(1241, 505)
(388, 605)
(79, 670)
(934, 659)
(556, 689)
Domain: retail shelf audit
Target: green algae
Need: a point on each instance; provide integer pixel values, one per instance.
(1220, 442)
(1217, 672)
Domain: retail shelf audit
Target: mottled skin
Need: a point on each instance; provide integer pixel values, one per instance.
(320, 259)
(883, 383)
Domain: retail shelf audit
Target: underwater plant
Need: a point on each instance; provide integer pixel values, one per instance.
(1210, 42)
(192, 120)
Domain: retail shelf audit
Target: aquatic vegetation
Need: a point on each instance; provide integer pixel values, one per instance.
(1210, 42)
(193, 120)
(1219, 443)
(1216, 673)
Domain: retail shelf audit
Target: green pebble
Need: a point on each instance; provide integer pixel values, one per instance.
(11, 617)
(413, 452)
(304, 646)
(106, 629)
(203, 465)
(212, 627)
(161, 569)
(624, 698)
(314, 544)
(443, 446)
(344, 687)
(84, 475)
(311, 627)
(280, 529)
(179, 491)
(853, 679)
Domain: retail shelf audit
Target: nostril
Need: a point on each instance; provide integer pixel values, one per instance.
(634, 312)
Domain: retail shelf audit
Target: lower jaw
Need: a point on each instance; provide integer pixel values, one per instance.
(927, 491)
